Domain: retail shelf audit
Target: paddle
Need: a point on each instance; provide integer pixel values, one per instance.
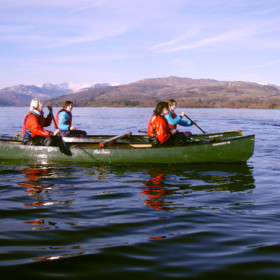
(142, 131)
(110, 141)
(194, 123)
(61, 144)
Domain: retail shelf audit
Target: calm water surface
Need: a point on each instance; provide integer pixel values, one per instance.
(198, 221)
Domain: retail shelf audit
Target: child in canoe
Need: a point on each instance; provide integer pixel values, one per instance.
(173, 119)
(63, 119)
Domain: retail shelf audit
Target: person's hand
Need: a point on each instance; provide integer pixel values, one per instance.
(73, 128)
(183, 114)
(193, 123)
(50, 108)
(56, 132)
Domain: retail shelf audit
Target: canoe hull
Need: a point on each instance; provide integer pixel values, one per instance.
(237, 149)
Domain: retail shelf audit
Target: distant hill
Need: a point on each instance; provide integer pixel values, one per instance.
(21, 95)
(189, 93)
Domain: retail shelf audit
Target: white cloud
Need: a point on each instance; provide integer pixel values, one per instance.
(261, 65)
(187, 35)
(210, 41)
(76, 22)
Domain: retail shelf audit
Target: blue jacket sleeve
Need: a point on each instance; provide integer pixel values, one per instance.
(172, 121)
(185, 123)
(63, 118)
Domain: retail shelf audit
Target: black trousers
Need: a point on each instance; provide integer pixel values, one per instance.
(177, 139)
(73, 133)
(42, 141)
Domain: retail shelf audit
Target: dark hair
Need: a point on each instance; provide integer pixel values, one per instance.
(160, 106)
(67, 103)
(171, 101)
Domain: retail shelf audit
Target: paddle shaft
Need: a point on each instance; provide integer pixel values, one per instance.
(195, 124)
(142, 131)
(64, 148)
(53, 117)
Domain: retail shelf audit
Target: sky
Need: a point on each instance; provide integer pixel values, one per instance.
(123, 41)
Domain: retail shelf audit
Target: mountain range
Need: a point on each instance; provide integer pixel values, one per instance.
(189, 93)
(21, 95)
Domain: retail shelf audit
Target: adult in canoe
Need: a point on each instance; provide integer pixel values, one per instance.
(159, 131)
(33, 126)
(173, 120)
(63, 119)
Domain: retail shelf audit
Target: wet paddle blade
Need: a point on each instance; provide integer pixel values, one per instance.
(63, 147)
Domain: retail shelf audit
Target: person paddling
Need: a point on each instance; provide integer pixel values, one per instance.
(63, 119)
(173, 119)
(158, 128)
(33, 126)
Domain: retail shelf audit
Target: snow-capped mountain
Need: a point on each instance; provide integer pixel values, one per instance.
(70, 87)
(22, 94)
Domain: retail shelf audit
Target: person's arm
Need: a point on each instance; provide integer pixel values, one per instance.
(48, 120)
(184, 123)
(172, 121)
(63, 118)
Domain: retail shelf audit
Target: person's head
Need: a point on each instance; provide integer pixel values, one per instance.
(161, 108)
(68, 105)
(172, 104)
(36, 104)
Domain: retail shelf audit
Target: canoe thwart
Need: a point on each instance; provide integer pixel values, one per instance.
(110, 141)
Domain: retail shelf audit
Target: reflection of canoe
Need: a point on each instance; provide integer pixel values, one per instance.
(134, 150)
(166, 181)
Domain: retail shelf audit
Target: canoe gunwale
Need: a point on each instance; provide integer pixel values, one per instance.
(134, 139)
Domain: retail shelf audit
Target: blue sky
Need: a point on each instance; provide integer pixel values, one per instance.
(123, 41)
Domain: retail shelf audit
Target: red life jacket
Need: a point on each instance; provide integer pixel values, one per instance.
(69, 122)
(150, 130)
(173, 116)
(159, 124)
(33, 125)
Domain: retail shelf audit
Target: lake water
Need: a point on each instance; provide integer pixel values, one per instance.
(199, 221)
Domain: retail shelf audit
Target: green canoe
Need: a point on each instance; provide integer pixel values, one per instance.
(130, 150)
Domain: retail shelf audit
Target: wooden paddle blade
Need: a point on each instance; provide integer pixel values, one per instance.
(63, 147)
(110, 141)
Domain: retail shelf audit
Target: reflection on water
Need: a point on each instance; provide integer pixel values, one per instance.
(156, 190)
(166, 182)
(83, 211)
(34, 186)
(164, 187)
(90, 207)
(32, 177)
